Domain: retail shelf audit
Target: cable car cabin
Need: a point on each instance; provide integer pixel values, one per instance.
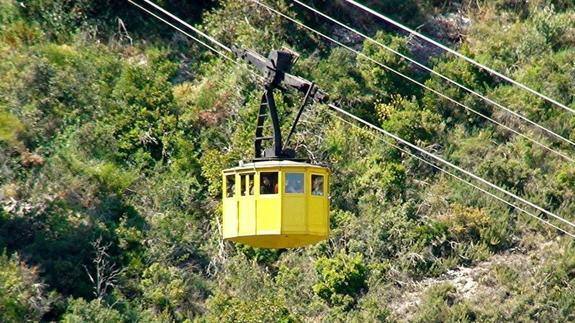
(276, 201)
(276, 204)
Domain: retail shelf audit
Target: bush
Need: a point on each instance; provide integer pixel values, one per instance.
(381, 79)
(171, 290)
(10, 129)
(440, 304)
(22, 296)
(251, 32)
(338, 75)
(341, 279)
(14, 30)
(145, 120)
(407, 119)
(227, 309)
(95, 311)
(56, 241)
(466, 224)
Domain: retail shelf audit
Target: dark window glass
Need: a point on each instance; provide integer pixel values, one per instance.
(230, 185)
(294, 183)
(269, 183)
(250, 182)
(243, 179)
(317, 185)
(247, 184)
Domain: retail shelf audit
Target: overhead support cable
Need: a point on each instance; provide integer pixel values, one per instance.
(360, 54)
(395, 137)
(220, 53)
(459, 178)
(450, 164)
(212, 39)
(396, 52)
(183, 32)
(456, 53)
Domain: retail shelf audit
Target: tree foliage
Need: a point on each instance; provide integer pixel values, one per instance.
(114, 130)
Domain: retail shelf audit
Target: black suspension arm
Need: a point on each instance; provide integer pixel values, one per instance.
(274, 70)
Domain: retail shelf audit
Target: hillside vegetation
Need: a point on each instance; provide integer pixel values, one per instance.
(114, 130)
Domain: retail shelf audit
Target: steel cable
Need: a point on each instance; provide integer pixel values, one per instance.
(334, 107)
(472, 61)
(212, 39)
(480, 95)
(259, 77)
(358, 53)
(450, 164)
(183, 32)
(333, 114)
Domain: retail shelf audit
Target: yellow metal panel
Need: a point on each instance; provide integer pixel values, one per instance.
(283, 220)
(294, 206)
(229, 211)
(247, 216)
(268, 208)
(326, 204)
(294, 217)
(279, 241)
(269, 214)
(230, 218)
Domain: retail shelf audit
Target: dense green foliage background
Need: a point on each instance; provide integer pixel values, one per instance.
(114, 130)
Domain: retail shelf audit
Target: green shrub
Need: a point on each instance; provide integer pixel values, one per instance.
(387, 181)
(80, 310)
(466, 224)
(436, 303)
(229, 309)
(171, 290)
(262, 256)
(251, 32)
(146, 119)
(10, 128)
(110, 176)
(341, 279)
(407, 119)
(22, 296)
(555, 27)
(381, 79)
(339, 76)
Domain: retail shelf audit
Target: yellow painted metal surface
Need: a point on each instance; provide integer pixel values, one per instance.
(276, 204)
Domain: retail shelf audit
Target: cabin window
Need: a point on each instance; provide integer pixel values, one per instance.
(269, 183)
(247, 184)
(243, 179)
(317, 185)
(230, 185)
(251, 184)
(294, 183)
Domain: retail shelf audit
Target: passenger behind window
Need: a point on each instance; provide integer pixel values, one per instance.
(251, 184)
(231, 186)
(269, 183)
(294, 183)
(317, 185)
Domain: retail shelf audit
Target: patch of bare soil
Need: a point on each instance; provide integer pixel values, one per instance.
(448, 29)
(471, 283)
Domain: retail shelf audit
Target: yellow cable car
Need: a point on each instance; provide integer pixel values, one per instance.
(276, 201)
(276, 204)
